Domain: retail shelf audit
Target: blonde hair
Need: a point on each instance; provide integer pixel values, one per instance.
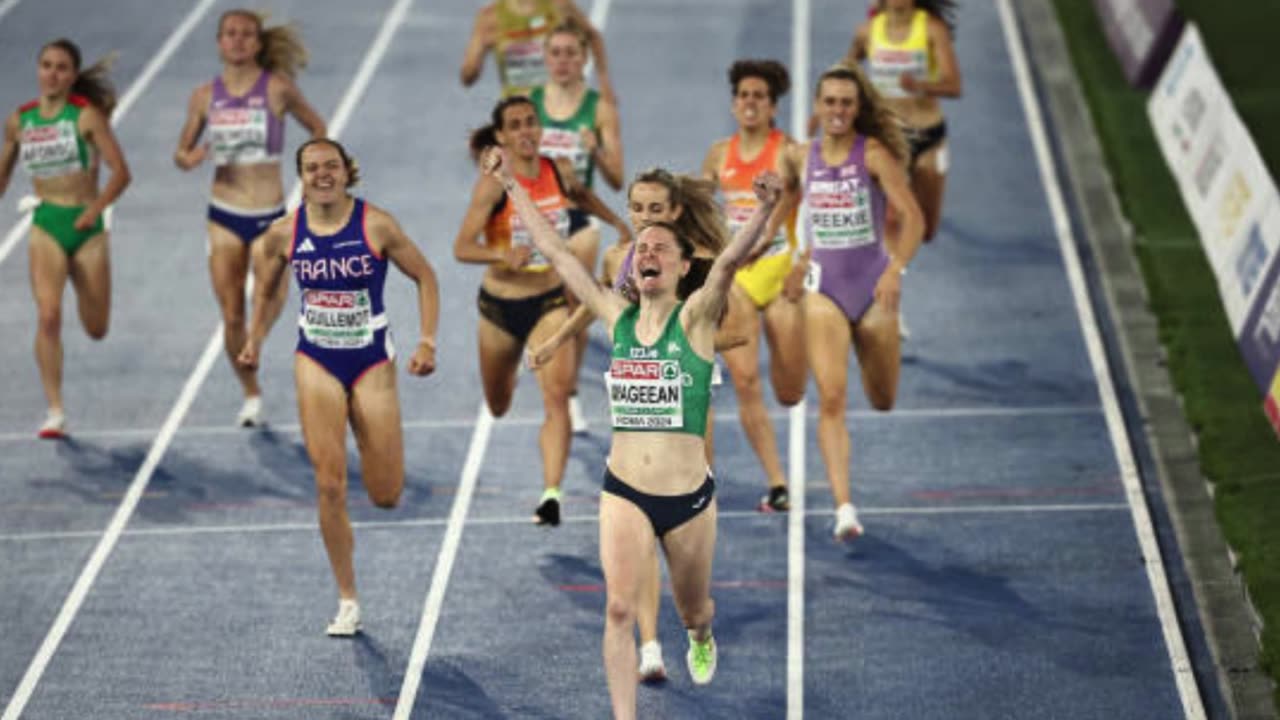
(92, 82)
(701, 220)
(874, 119)
(570, 27)
(282, 50)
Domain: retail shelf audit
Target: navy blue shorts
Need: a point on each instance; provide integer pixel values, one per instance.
(665, 512)
(247, 225)
(349, 365)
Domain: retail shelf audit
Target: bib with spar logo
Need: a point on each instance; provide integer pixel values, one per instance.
(664, 386)
(337, 319)
(52, 147)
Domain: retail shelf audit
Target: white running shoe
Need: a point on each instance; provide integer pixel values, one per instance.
(347, 622)
(652, 669)
(250, 412)
(701, 659)
(577, 421)
(847, 525)
(54, 427)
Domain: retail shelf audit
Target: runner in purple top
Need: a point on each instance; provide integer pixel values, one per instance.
(854, 271)
(242, 114)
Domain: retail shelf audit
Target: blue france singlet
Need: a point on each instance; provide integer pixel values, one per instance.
(342, 324)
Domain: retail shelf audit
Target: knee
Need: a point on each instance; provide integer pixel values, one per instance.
(386, 498)
(832, 404)
(233, 314)
(96, 331)
(619, 612)
(746, 383)
(787, 394)
(49, 321)
(331, 492)
(498, 398)
(882, 400)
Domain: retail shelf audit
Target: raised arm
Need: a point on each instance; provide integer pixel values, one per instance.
(8, 151)
(606, 305)
(270, 259)
(189, 154)
(889, 172)
(96, 128)
(707, 302)
(794, 162)
(398, 248)
(481, 41)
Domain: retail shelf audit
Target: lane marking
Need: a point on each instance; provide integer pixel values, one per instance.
(1183, 673)
(796, 444)
(458, 423)
(131, 96)
(309, 527)
(6, 6)
(76, 598)
(444, 565)
(462, 502)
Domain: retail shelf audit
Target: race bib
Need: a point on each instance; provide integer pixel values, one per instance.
(813, 276)
(337, 319)
(238, 135)
(49, 150)
(554, 211)
(839, 214)
(645, 394)
(887, 67)
(562, 143)
(525, 64)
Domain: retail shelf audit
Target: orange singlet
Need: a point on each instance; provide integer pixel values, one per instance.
(762, 279)
(506, 230)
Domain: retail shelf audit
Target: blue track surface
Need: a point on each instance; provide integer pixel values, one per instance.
(1000, 576)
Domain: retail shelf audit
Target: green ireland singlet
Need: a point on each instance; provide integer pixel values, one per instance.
(562, 138)
(665, 386)
(52, 147)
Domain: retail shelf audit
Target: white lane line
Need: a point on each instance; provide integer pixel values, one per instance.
(800, 21)
(310, 527)
(1188, 692)
(6, 6)
(444, 566)
(111, 536)
(794, 470)
(131, 96)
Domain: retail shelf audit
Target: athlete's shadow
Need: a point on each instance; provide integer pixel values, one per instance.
(97, 475)
(448, 692)
(581, 581)
(384, 676)
(984, 605)
(274, 474)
